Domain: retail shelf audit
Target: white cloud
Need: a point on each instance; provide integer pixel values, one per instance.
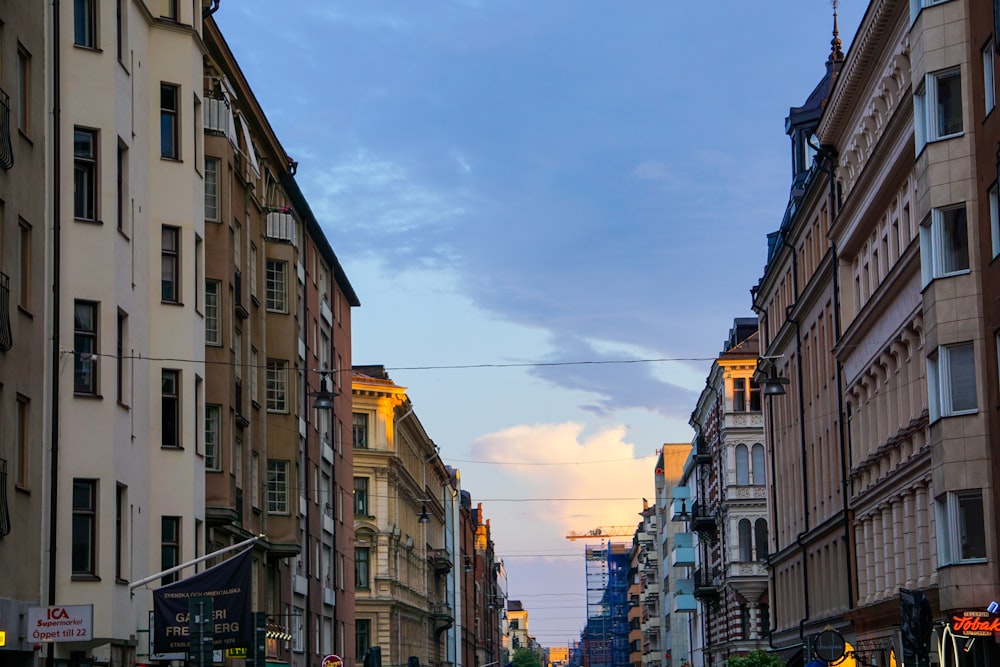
(592, 479)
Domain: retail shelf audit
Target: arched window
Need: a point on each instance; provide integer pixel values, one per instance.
(745, 543)
(742, 465)
(760, 538)
(757, 459)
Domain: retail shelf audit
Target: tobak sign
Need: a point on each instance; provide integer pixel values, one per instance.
(70, 623)
(974, 623)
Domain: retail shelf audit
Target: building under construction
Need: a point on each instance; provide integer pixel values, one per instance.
(605, 637)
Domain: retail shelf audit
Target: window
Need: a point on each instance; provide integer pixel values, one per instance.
(169, 100)
(254, 362)
(961, 532)
(360, 430)
(85, 359)
(994, 195)
(944, 243)
(360, 496)
(989, 83)
(277, 487)
(213, 430)
(938, 107)
(739, 395)
(170, 404)
(744, 621)
(170, 264)
(254, 479)
(745, 540)
(122, 187)
(121, 495)
(760, 538)
(277, 385)
(742, 465)
(121, 337)
(754, 396)
(24, 247)
(951, 381)
(120, 29)
(84, 526)
(917, 5)
(22, 443)
(361, 573)
(84, 174)
(276, 286)
(745, 545)
(362, 638)
(212, 188)
(168, 9)
(759, 468)
(170, 547)
(23, 90)
(213, 335)
(85, 23)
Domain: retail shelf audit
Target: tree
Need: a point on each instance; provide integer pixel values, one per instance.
(525, 657)
(755, 659)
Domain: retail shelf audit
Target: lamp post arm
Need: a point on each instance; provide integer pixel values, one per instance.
(178, 568)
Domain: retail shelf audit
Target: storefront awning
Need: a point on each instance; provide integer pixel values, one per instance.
(792, 655)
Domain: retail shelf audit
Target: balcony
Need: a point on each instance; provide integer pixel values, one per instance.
(6, 337)
(682, 555)
(281, 227)
(706, 584)
(739, 570)
(703, 455)
(443, 617)
(440, 560)
(299, 584)
(702, 521)
(683, 601)
(6, 147)
(329, 596)
(217, 118)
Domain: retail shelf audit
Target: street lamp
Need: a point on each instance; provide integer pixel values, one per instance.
(323, 398)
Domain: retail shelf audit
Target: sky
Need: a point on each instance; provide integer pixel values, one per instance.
(551, 211)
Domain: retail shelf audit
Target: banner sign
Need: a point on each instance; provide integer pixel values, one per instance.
(228, 584)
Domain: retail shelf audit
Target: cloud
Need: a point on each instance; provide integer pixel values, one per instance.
(592, 478)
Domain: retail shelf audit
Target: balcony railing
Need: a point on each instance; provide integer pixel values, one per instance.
(6, 338)
(440, 560)
(6, 146)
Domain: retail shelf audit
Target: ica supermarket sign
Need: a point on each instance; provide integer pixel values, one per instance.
(72, 623)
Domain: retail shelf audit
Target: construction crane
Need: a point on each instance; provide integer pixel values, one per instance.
(601, 532)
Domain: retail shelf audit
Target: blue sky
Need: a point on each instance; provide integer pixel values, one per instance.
(536, 182)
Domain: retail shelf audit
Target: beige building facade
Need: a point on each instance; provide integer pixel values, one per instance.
(401, 564)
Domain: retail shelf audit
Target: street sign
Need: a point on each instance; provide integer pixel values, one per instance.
(71, 623)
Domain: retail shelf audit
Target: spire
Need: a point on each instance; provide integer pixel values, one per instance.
(836, 54)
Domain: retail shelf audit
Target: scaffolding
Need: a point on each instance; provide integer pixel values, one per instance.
(605, 637)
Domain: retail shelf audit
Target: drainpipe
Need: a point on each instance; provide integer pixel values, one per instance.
(56, 303)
